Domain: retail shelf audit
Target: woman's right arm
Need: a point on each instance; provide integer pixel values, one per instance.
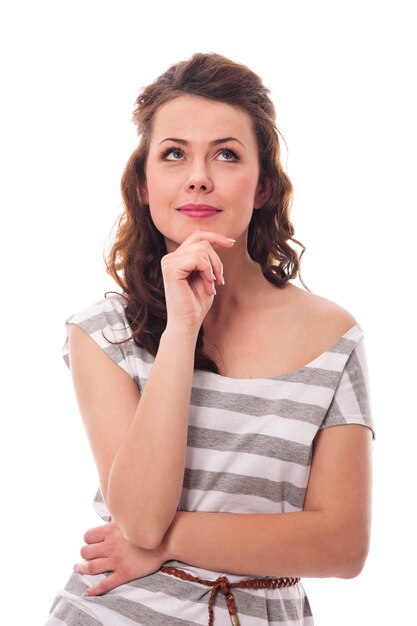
(138, 441)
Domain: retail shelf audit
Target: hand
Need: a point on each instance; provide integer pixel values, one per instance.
(188, 278)
(108, 551)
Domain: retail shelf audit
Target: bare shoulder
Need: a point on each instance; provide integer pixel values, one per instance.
(323, 319)
(329, 313)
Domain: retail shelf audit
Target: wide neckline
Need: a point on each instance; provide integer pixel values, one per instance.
(287, 374)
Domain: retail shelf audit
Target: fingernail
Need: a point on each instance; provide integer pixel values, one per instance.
(85, 594)
(75, 568)
(230, 239)
(214, 289)
(222, 279)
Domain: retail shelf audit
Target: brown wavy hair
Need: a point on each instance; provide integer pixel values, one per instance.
(134, 260)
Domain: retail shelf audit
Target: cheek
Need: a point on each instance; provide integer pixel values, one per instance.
(160, 188)
(245, 187)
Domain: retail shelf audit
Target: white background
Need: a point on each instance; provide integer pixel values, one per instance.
(342, 76)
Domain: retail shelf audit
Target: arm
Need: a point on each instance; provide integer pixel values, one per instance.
(329, 538)
(147, 474)
(131, 435)
(141, 459)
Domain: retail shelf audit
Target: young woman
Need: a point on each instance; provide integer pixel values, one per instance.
(212, 389)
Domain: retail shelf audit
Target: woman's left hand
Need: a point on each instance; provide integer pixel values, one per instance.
(108, 551)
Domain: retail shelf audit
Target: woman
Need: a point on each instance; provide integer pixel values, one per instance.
(212, 417)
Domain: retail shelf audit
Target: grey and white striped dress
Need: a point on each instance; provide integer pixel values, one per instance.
(248, 451)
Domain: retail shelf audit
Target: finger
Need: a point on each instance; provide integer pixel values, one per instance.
(216, 266)
(209, 277)
(211, 236)
(96, 566)
(93, 551)
(198, 260)
(195, 259)
(215, 261)
(109, 583)
(214, 272)
(94, 535)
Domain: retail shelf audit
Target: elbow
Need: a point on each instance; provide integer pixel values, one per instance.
(133, 529)
(355, 565)
(351, 563)
(135, 534)
(347, 542)
(142, 540)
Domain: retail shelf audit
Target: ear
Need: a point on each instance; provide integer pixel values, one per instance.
(143, 194)
(262, 194)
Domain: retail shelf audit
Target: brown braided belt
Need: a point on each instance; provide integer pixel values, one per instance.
(224, 585)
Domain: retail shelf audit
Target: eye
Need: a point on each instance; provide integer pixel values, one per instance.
(231, 153)
(172, 151)
(232, 156)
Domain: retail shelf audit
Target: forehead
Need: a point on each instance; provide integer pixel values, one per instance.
(200, 118)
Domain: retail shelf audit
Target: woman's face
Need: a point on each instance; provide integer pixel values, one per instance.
(202, 152)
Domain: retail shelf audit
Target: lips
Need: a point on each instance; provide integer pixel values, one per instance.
(198, 207)
(198, 210)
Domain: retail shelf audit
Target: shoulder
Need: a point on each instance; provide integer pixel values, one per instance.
(323, 320)
(106, 323)
(107, 311)
(325, 314)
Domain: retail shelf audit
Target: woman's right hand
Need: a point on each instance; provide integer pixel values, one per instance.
(188, 278)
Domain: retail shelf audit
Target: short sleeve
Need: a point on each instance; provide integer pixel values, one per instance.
(105, 322)
(351, 403)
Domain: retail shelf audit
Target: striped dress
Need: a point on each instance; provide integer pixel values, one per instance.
(248, 451)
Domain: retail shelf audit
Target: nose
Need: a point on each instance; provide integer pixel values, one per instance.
(200, 181)
(193, 186)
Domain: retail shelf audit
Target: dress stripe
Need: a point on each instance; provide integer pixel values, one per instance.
(249, 450)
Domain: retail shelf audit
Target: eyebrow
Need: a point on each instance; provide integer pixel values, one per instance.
(215, 142)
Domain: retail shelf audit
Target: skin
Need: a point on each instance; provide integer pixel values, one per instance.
(331, 536)
(208, 175)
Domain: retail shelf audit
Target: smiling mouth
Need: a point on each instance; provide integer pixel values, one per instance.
(197, 208)
(199, 212)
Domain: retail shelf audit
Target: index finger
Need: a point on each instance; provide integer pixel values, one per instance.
(211, 236)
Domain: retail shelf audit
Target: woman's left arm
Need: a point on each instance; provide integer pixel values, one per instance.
(330, 537)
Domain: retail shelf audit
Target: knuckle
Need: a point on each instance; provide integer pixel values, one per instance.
(109, 530)
(108, 584)
(165, 262)
(111, 533)
(121, 569)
